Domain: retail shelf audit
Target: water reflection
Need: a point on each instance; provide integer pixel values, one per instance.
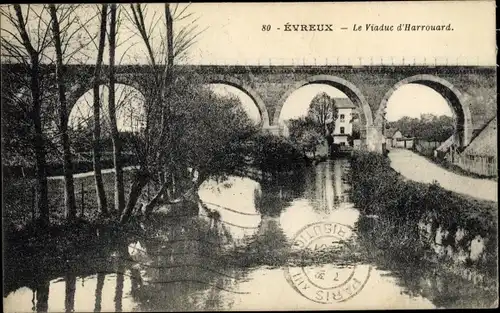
(42, 297)
(69, 300)
(235, 259)
(98, 292)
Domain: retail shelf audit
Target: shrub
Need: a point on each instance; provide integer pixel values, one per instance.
(377, 189)
(274, 154)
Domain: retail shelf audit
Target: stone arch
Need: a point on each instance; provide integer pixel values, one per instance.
(453, 96)
(352, 92)
(234, 82)
(76, 91)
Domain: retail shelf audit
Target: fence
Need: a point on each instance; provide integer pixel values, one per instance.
(20, 200)
(345, 61)
(478, 164)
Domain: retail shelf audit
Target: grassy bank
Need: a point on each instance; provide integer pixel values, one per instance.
(19, 202)
(392, 208)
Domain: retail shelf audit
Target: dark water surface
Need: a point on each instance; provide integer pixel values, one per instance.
(239, 262)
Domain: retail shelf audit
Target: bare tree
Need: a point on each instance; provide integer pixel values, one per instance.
(29, 52)
(101, 194)
(153, 152)
(69, 187)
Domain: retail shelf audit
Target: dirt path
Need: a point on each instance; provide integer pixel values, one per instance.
(418, 168)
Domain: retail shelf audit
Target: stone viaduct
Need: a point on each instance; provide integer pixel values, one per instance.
(469, 90)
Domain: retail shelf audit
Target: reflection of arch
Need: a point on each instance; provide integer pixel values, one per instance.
(234, 82)
(341, 84)
(452, 95)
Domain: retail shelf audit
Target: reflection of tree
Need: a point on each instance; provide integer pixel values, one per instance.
(268, 246)
(414, 275)
(69, 299)
(183, 264)
(119, 287)
(98, 292)
(42, 296)
(278, 193)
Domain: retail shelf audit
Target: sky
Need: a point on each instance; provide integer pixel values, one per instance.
(412, 100)
(233, 33)
(130, 108)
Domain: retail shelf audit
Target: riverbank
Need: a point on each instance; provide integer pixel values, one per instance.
(414, 220)
(19, 202)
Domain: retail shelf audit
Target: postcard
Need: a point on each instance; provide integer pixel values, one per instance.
(249, 156)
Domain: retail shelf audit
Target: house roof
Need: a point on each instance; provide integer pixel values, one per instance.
(445, 145)
(389, 133)
(485, 143)
(344, 103)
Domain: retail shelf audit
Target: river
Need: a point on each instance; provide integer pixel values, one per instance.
(185, 265)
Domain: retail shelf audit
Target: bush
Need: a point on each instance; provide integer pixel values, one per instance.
(377, 189)
(274, 154)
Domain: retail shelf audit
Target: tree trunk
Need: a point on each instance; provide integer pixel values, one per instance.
(42, 202)
(150, 206)
(170, 36)
(69, 186)
(35, 115)
(101, 195)
(140, 180)
(115, 135)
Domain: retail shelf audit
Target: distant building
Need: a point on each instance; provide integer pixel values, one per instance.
(343, 124)
(389, 136)
(394, 138)
(446, 150)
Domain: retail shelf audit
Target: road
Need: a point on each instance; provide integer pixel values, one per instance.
(418, 168)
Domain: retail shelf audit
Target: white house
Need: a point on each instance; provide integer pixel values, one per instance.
(343, 124)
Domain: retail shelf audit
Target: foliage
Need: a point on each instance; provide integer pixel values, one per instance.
(305, 133)
(310, 131)
(401, 204)
(321, 110)
(428, 127)
(206, 130)
(356, 128)
(309, 140)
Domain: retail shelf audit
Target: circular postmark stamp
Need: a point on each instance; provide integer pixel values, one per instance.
(335, 281)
